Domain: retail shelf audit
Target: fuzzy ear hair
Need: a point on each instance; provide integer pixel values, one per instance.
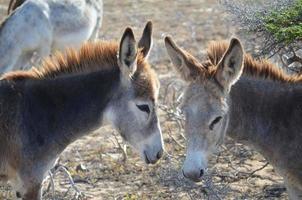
(231, 65)
(146, 40)
(184, 63)
(128, 53)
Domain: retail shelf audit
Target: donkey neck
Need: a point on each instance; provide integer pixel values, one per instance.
(59, 111)
(266, 114)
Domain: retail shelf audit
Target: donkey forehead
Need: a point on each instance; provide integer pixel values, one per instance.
(205, 90)
(146, 85)
(204, 93)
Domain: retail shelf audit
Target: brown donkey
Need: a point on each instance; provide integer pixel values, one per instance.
(263, 109)
(72, 94)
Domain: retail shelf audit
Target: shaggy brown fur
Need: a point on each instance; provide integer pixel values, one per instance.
(255, 68)
(91, 57)
(202, 71)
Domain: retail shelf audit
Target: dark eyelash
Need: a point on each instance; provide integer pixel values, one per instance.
(144, 108)
(215, 121)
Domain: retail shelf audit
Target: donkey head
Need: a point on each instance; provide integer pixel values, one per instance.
(133, 111)
(206, 101)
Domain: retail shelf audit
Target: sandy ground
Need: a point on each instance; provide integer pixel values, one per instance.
(96, 161)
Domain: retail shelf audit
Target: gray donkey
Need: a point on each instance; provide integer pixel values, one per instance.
(39, 27)
(72, 94)
(263, 109)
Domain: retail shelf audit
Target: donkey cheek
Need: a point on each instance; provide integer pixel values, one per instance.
(40, 140)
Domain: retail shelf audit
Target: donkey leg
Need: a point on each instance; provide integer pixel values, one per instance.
(294, 193)
(28, 184)
(33, 192)
(18, 188)
(27, 190)
(294, 189)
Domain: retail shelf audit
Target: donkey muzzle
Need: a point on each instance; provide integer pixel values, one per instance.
(152, 159)
(194, 166)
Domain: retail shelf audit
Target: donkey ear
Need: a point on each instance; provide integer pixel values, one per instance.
(146, 40)
(127, 53)
(183, 62)
(231, 65)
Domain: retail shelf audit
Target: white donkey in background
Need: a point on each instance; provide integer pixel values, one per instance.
(39, 27)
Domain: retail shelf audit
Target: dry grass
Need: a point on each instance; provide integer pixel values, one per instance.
(96, 161)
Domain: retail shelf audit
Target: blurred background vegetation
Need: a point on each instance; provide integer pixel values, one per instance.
(275, 26)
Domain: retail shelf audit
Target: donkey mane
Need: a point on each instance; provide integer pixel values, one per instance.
(92, 56)
(255, 68)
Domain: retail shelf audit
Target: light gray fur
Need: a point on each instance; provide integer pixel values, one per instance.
(41, 27)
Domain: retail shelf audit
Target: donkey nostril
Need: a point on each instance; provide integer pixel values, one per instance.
(201, 172)
(160, 154)
(18, 195)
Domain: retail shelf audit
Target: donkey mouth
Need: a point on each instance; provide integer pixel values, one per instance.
(193, 178)
(147, 161)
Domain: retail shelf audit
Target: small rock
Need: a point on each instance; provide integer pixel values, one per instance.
(81, 167)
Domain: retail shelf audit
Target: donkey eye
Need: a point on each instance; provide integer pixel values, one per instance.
(215, 121)
(144, 108)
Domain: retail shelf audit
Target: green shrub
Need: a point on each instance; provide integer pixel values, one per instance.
(285, 25)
